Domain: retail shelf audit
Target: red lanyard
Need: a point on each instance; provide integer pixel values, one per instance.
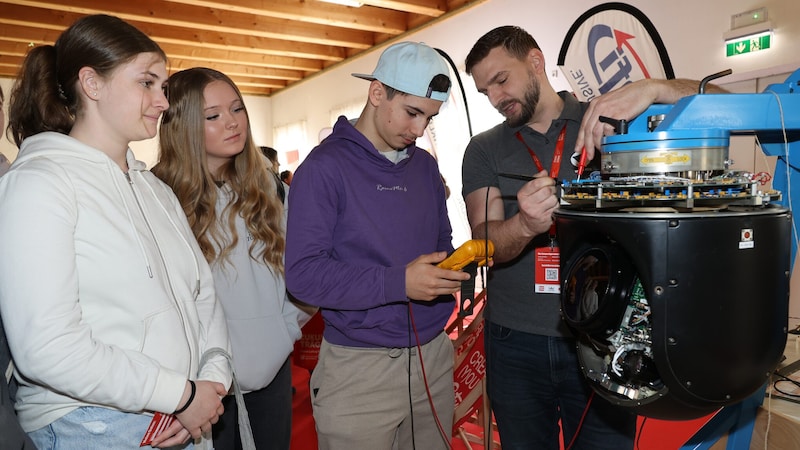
(553, 169)
(556, 155)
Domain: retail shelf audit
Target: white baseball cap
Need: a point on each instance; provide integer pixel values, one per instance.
(410, 67)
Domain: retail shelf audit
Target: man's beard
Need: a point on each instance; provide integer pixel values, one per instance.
(528, 106)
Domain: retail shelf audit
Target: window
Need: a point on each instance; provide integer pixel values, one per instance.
(291, 142)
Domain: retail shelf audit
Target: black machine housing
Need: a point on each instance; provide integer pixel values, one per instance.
(678, 313)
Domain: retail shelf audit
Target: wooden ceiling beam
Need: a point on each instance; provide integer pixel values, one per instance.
(9, 66)
(287, 65)
(14, 48)
(263, 45)
(283, 68)
(167, 13)
(232, 69)
(28, 35)
(241, 43)
(432, 8)
(313, 11)
(40, 33)
(262, 92)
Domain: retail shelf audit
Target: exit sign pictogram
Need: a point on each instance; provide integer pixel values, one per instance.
(748, 45)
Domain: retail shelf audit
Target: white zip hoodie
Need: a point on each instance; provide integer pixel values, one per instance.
(104, 293)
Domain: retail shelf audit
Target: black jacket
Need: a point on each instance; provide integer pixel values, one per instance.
(11, 434)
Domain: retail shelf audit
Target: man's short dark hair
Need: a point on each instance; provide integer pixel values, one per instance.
(517, 42)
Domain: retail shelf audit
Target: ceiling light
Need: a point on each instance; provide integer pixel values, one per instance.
(352, 3)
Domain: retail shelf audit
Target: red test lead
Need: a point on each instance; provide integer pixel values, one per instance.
(582, 163)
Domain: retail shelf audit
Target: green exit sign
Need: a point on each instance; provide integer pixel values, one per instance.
(748, 45)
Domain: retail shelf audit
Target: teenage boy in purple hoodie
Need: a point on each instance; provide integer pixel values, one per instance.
(366, 227)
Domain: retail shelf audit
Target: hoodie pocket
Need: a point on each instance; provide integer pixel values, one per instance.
(164, 339)
(260, 347)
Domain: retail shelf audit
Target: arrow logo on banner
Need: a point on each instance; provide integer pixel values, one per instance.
(622, 39)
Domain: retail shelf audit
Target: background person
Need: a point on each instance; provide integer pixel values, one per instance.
(286, 177)
(367, 225)
(4, 163)
(231, 198)
(107, 300)
(274, 166)
(11, 433)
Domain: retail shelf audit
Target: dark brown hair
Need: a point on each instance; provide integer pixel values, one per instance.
(44, 96)
(517, 42)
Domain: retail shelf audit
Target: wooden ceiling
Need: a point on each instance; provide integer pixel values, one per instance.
(263, 45)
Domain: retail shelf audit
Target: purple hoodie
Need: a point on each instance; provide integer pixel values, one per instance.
(355, 220)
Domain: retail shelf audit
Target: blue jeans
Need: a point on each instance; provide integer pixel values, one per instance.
(534, 381)
(95, 428)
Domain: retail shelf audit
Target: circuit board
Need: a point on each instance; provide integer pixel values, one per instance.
(666, 191)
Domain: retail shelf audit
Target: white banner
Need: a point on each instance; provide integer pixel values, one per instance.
(609, 46)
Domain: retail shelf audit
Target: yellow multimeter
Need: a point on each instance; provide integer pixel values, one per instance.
(467, 257)
(475, 250)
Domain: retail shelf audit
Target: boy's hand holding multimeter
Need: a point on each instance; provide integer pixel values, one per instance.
(468, 257)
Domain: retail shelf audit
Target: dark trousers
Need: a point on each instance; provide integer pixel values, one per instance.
(534, 381)
(270, 411)
(11, 434)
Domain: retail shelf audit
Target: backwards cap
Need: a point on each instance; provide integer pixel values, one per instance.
(410, 67)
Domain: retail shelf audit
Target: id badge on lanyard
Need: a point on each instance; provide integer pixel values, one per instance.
(547, 279)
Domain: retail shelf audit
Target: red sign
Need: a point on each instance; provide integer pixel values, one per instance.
(306, 350)
(469, 371)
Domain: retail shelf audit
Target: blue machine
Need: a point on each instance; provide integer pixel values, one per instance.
(694, 135)
(684, 262)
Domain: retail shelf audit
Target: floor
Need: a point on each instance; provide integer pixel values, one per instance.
(304, 437)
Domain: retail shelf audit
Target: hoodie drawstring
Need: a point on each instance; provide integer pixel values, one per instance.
(183, 238)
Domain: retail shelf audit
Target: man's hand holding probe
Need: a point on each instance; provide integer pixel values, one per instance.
(537, 201)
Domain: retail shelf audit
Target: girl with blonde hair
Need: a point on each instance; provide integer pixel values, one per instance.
(230, 197)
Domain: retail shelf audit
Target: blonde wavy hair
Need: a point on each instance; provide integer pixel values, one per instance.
(182, 165)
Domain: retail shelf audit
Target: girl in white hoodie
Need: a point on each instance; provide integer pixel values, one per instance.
(106, 298)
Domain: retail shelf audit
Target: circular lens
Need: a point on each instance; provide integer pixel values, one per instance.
(596, 290)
